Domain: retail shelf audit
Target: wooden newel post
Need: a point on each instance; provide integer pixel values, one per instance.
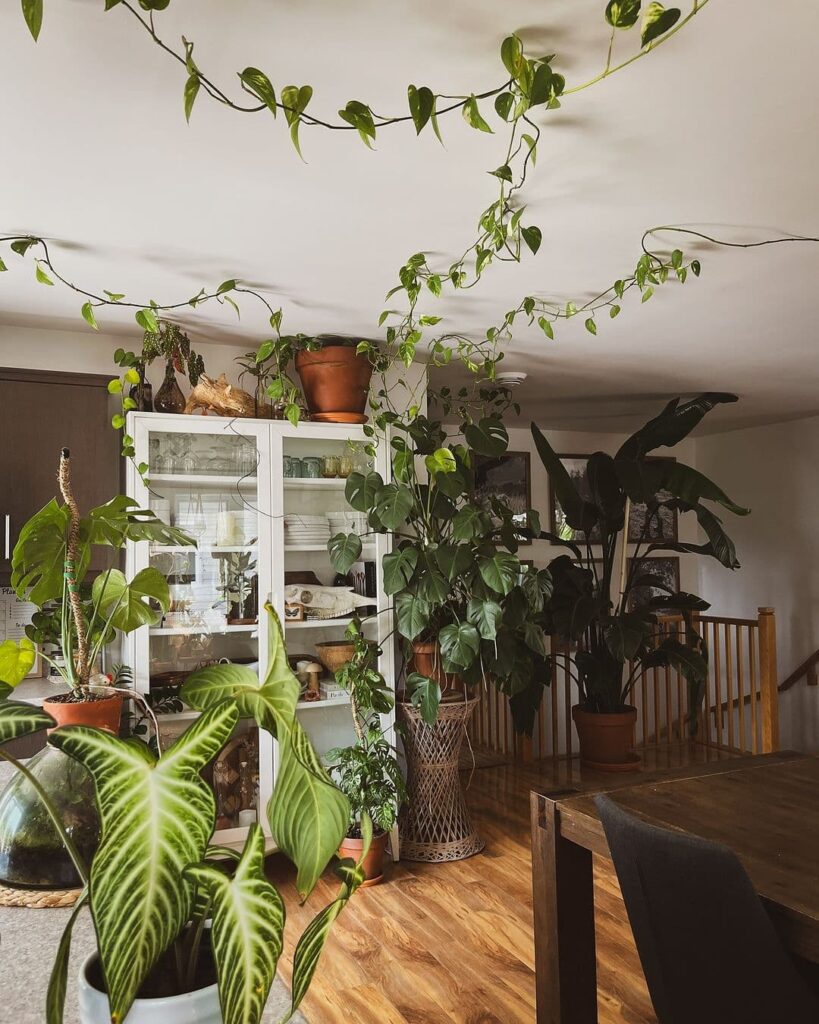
(769, 680)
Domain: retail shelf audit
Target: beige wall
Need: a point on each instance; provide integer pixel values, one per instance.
(773, 470)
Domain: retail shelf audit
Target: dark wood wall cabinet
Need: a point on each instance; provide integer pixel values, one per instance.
(42, 412)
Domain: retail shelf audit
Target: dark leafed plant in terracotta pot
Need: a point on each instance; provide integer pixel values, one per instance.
(49, 569)
(466, 607)
(615, 638)
(187, 932)
(367, 772)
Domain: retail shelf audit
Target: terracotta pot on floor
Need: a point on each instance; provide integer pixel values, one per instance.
(335, 381)
(426, 660)
(607, 740)
(373, 862)
(102, 714)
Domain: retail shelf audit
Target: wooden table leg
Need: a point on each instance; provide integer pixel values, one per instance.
(563, 884)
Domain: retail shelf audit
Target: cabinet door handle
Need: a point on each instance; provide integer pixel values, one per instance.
(8, 536)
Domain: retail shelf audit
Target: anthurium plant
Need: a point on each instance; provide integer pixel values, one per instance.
(156, 879)
(454, 574)
(592, 605)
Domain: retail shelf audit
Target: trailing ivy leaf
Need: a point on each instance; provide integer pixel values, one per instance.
(295, 100)
(532, 236)
(487, 437)
(485, 616)
(361, 489)
(33, 13)
(472, 115)
(591, 326)
(22, 245)
(393, 504)
(41, 276)
(257, 82)
(88, 315)
(359, 116)
(191, 92)
(247, 930)
(546, 326)
(657, 21)
(344, 548)
(157, 818)
(460, 645)
(504, 172)
(146, 318)
(503, 105)
(512, 55)
(425, 695)
(3, 267)
(399, 567)
(421, 104)
(614, 311)
(499, 571)
(412, 615)
(622, 13)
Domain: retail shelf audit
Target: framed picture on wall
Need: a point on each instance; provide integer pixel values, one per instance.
(506, 477)
(666, 570)
(662, 525)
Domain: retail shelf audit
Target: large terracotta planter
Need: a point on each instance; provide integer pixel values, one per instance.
(336, 382)
(607, 740)
(373, 862)
(426, 660)
(102, 714)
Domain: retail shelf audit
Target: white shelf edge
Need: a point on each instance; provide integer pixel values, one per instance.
(203, 479)
(332, 702)
(323, 547)
(195, 630)
(318, 623)
(308, 482)
(158, 549)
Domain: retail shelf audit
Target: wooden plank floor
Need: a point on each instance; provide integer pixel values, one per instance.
(441, 943)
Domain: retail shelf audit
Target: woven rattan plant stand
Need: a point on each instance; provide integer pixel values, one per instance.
(434, 824)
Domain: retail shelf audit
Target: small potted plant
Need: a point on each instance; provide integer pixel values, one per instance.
(367, 772)
(241, 587)
(592, 606)
(170, 910)
(168, 342)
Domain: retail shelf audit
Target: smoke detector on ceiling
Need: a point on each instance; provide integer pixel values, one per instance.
(510, 378)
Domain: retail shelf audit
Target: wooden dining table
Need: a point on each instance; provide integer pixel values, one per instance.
(764, 808)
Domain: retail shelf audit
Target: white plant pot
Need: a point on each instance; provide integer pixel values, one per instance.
(200, 1007)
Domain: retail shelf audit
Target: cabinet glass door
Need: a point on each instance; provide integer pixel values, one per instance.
(213, 483)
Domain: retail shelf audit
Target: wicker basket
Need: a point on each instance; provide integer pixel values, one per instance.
(334, 654)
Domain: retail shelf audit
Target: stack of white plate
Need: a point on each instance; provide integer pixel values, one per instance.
(348, 522)
(306, 530)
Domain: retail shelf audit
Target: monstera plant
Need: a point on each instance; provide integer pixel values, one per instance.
(593, 607)
(465, 605)
(155, 880)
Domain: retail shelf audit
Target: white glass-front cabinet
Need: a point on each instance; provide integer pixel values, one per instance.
(259, 498)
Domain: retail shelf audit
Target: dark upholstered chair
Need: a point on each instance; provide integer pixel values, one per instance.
(710, 954)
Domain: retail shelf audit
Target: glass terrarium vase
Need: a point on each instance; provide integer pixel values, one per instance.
(169, 398)
(32, 854)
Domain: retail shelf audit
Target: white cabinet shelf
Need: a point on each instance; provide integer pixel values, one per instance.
(184, 549)
(199, 630)
(308, 483)
(196, 480)
(319, 623)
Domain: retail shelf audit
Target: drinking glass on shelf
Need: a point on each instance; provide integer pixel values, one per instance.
(330, 466)
(345, 466)
(311, 467)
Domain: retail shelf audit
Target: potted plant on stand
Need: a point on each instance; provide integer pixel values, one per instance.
(50, 563)
(592, 606)
(180, 939)
(367, 772)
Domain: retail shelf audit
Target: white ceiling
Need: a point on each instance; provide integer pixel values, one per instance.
(719, 128)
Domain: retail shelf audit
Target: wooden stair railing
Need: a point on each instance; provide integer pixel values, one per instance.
(808, 668)
(739, 715)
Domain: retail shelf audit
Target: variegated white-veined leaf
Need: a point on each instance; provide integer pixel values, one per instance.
(308, 814)
(55, 998)
(17, 719)
(157, 818)
(247, 931)
(314, 936)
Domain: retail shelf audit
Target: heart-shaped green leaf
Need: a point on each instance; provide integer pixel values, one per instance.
(361, 489)
(622, 13)
(393, 504)
(412, 615)
(499, 571)
(657, 21)
(308, 815)
(460, 644)
(485, 616)
(16, 661)
(247, 931)
(128, 605)
(157, 818)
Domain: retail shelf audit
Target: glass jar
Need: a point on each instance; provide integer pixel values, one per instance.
(330, 466)
(311, 467)
(169, 398)
(345, 466)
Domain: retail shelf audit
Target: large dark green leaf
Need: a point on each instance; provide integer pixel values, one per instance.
(361, 489)
(674, 423)
(499, 571)
(38, 559)
(460, 645)
(469, 522)
(431, 585)
(721, 543)
(425, 695)
(625, 634)
(487, 437)
(689, 661)
(454, 560)
(157, 818)
(412, 615)
(606, 492)
(308, 815)
(485, 617)
(247, 931)
(344, 548)
(393, 504)
(692, 486)
(131, 605)
(399, 567)
(580, 514)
